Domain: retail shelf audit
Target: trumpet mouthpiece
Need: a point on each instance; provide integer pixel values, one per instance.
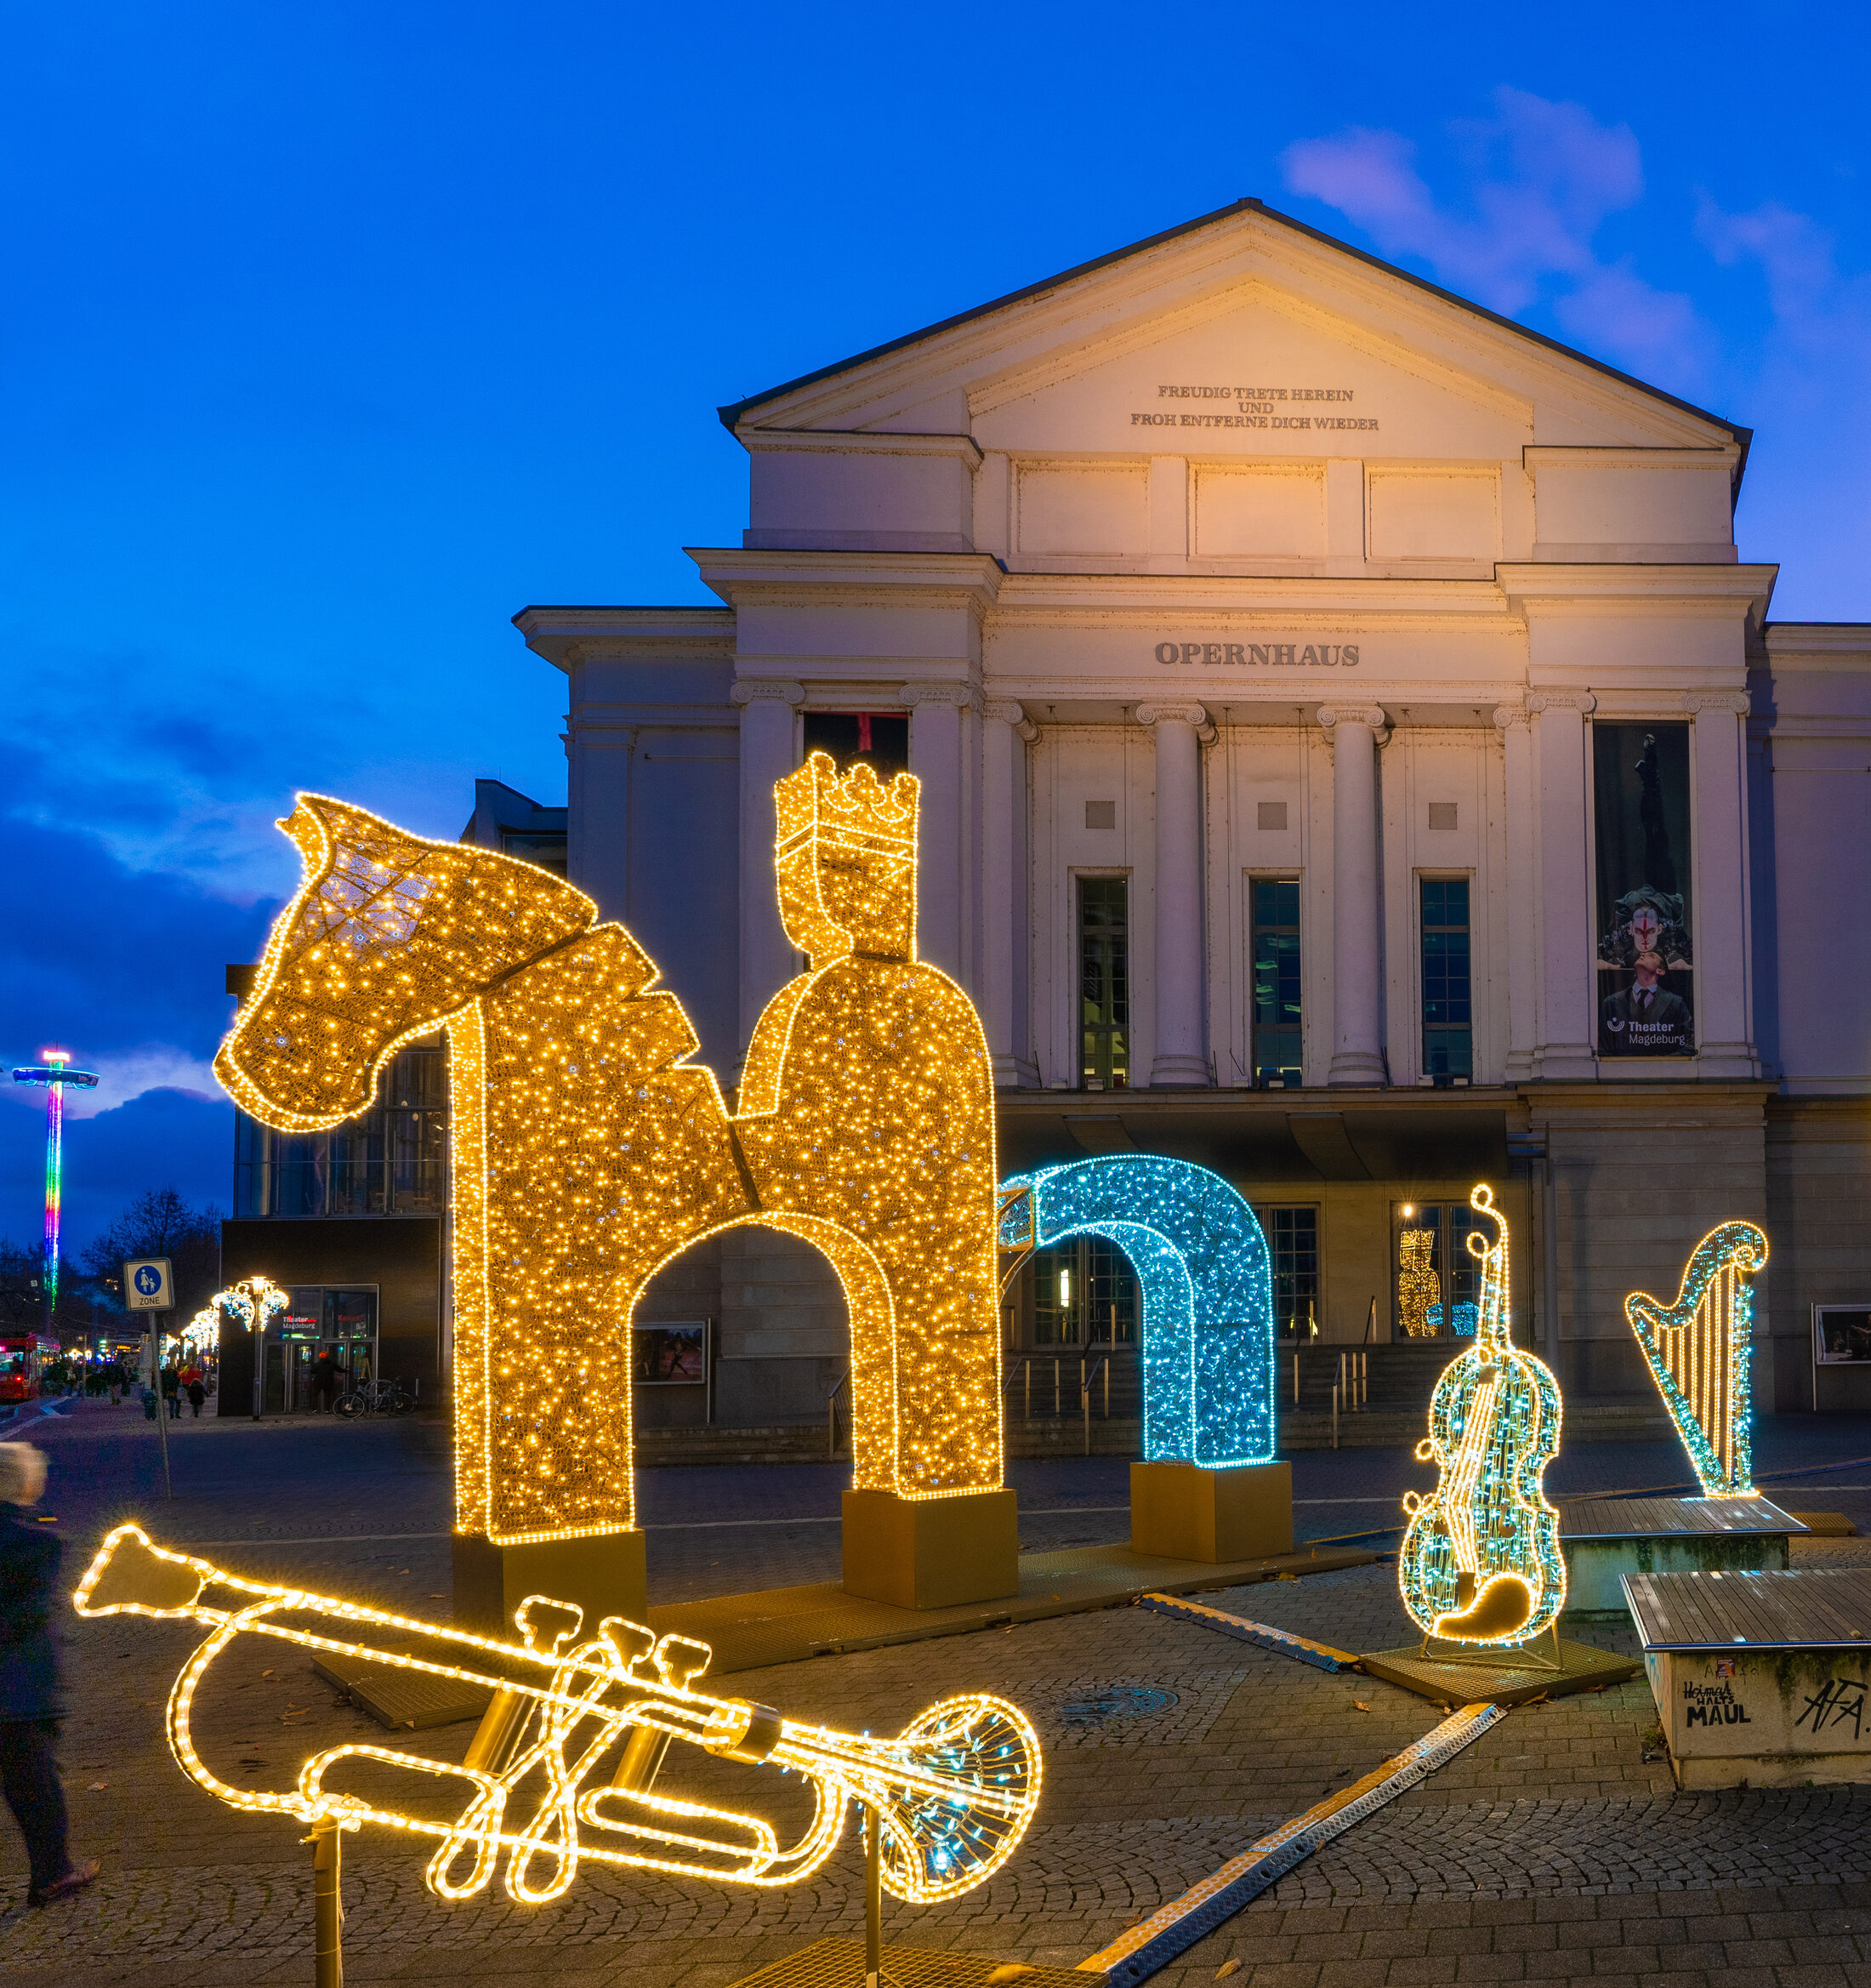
(130, 1576)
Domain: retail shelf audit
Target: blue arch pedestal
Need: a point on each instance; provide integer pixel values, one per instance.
(1207, 1294)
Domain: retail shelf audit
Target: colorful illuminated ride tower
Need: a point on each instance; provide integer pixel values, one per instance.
(55, 1073)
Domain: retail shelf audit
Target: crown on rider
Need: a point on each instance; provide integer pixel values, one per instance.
(846, 855)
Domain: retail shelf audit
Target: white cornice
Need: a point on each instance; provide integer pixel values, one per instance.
(844, 441)
(565, 636)
(742, 575)
(1721, 591)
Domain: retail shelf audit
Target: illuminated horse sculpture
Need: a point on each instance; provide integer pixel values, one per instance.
(589, 1150)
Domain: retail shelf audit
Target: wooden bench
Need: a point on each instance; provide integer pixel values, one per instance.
(1760, 1680)
(1605, 1539)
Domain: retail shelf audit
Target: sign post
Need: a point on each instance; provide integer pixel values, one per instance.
(149, 1285)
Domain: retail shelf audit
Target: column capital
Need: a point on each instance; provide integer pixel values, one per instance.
(962, 696)
(1507, 716)
(1334, 715)
(1562, 700)
(1737, 701)
(1008, 711)
(1190, 715)
(748, 690)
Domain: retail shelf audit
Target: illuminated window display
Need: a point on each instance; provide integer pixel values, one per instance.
(589, 1151)
(1700, 1354)
(1481, 1562)
(1208, 1301)
(544, 1783)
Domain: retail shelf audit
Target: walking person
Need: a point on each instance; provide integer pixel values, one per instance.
(29, 1681)
(325, 1381)
(197, 1395)
(172, 1391)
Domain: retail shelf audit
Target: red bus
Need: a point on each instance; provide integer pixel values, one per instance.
(23, 1359)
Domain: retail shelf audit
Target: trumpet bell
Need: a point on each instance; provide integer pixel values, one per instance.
(936, 1844)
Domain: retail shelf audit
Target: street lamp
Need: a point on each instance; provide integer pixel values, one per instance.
(252, 1300)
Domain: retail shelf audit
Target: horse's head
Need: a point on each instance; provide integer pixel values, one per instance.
(389, 934)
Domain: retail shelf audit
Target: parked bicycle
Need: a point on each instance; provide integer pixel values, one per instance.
(377, 1397)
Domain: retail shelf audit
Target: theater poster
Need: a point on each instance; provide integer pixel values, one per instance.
(1647, 983)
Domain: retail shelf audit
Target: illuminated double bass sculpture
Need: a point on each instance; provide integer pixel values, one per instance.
(562, 1767)
(1480, 1562)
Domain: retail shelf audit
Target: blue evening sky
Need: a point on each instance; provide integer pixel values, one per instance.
(335, 334)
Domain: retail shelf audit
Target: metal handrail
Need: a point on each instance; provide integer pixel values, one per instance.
(831, 1417)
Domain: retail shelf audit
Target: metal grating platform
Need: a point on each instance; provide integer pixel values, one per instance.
(839, 1963)
(781, 1625)
(403, 1700)
(1501, 1681)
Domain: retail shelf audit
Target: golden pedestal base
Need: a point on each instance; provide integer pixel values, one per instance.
(1187, 1512)
(931, 1553)
(603, 1574)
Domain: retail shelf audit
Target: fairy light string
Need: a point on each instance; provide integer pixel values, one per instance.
(955, 1791)
(589, 1150)
(1700, 1354)
(1202, 1262)
(1480, 1564)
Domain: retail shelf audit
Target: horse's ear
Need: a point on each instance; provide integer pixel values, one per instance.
(303, 828)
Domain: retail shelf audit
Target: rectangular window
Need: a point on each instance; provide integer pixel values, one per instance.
(1293, 1244)
(1084, 1295)
(390, 1159)
(1438, 1283)
(1104, 982)
(1275, 1048)
(879, 738)
(1448, 1021)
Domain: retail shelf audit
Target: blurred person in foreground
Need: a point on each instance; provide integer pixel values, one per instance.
(29, 1680)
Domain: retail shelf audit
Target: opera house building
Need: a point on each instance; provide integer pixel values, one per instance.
(1355, 755)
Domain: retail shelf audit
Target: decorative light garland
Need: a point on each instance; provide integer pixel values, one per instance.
(954, 1792)
(1418, 1289)
(589, 1151)
(1208, 1293)
(1700, 1352)
(1481, 1562)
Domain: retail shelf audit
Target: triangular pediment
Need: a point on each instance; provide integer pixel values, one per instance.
(1243, 299)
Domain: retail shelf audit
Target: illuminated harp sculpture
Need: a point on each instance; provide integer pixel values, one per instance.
(589, 1151)
(563, 1766)
(1699, 1350)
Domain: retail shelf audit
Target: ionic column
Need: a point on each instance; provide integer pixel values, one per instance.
(1179, 729)
(1719, 928)
(1357, 988)
(1515, 725)
(1564, 1045)
(601, 756)
(1006, 732)
(936, 760)
(768, 960)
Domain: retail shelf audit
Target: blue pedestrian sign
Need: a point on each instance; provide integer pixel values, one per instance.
(149, 1285)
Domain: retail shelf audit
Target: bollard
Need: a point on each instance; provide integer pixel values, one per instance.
(874, 1902)
(326, 1840)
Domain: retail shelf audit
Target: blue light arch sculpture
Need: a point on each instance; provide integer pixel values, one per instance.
(1208, 1293)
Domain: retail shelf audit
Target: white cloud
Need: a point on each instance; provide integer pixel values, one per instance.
(130, 1073)
(1545, 176)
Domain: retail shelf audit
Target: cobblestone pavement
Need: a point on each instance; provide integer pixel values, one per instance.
(1550, 1849)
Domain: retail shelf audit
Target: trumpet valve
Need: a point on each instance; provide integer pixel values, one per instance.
(751, 1732)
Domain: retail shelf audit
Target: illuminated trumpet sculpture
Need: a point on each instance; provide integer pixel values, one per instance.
(953, 1793)
(1698, 1351)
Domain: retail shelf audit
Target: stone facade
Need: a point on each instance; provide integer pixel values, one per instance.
(1356, 629)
